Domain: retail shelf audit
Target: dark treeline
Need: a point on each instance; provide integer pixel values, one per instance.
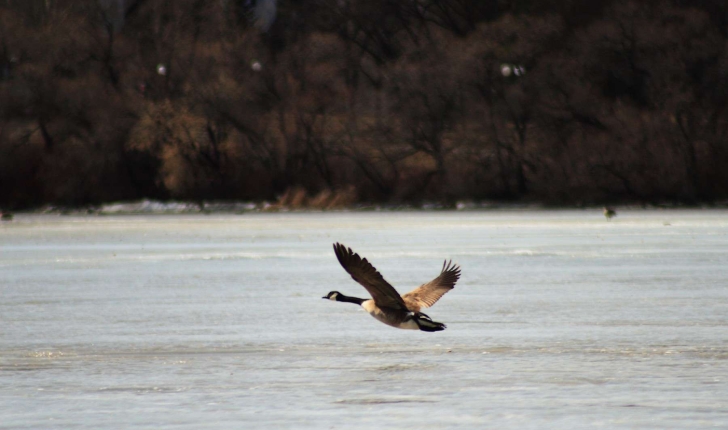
(557, 101)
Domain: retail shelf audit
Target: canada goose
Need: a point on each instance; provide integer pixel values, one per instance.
(386, 304)
(609, 213)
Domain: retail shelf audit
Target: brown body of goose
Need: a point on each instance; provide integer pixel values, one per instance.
(386, 305)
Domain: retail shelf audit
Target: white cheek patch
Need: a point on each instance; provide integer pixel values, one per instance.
(333, 296)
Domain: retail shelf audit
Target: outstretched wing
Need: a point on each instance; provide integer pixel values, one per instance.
(363, 272)
(428, 294)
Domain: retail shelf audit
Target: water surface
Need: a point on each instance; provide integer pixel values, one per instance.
(561, 320)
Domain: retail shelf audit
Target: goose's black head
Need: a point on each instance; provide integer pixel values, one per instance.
(333, 295)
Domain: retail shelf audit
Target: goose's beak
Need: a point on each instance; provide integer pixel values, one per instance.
(324, 297)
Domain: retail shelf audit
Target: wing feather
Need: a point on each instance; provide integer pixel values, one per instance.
(363, 272)
(428, 294)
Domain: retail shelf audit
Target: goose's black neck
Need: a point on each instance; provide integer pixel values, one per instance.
(347, 299)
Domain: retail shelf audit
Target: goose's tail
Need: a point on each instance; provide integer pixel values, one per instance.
(425, 323)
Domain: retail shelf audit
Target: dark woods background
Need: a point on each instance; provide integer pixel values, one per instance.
(581, 101)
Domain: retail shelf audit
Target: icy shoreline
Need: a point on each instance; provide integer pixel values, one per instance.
(151, 207)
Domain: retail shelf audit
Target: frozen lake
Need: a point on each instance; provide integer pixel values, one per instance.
(561, 320)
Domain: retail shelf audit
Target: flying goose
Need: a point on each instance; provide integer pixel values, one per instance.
(386, 304)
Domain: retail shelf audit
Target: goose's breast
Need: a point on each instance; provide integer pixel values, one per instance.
(373, 310)
(390, 317)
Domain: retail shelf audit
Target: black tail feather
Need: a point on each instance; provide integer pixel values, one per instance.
(425, 323)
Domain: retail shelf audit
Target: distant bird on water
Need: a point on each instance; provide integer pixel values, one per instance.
(609, 213)
(386, 305)
(6, 216)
